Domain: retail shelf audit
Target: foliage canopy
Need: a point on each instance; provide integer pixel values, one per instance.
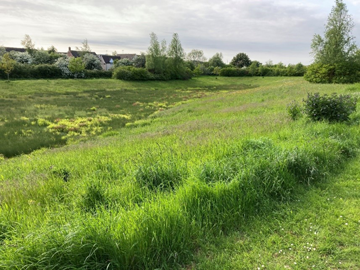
(216, 60)
(7, 64)
(241, 60)
(337, 45)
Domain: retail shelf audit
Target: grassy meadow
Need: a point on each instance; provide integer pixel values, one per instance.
(214, 176)
(36, 114)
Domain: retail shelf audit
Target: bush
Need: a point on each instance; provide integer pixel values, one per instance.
(294, 110)
(320, 73)
(332, 108)
(89, 74)
(233, 72)
(347, 73)
(123, 62)
(42, 57)
(129, 73)
(91, 62)
(20, 71)
(60, 70)
(63, 64)
(76, 67)
(337, 73)
(22, 57)
(46, 72)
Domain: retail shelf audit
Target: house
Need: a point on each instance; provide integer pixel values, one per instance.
(108, 61)
(130, 56)
(9, 49)
(76, 54)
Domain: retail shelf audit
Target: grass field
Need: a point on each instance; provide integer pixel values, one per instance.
(36, 114)
(226, 181)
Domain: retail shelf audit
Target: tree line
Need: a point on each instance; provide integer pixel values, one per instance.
(160, 62)
(336, 60)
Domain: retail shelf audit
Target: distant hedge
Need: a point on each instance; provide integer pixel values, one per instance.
(24, 71)
(46, 71)
(89, 74)
(273, 71)
(129, 73)
(234, 72)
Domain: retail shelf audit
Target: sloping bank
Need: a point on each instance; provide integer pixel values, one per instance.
(186, 202)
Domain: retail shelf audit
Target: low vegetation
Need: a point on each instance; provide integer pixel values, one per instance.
(157, 194)
(234, 179)
(53, 113)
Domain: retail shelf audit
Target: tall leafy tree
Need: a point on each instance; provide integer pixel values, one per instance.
(156, 55)
(337, 45)
(85, 48)
(140, 61)
(241, 60)
(196, 56)
(7, 64)
(52, 50)
(76, 67)
(216, 60)
(28, 44)
(176, 55)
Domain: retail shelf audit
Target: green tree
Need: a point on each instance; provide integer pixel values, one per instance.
(254, 68)
(337, 45)
(52, 49)
(241, 60)
(216, 60)
(41, 57)
(91, 62)
(28, 44)
(85, 48)
(175, 61)
(357, 57)
(76, 66)
(125, 62)
(140, 61)
(156, 55)
(2, 51)
(196, 56)
(7, 64)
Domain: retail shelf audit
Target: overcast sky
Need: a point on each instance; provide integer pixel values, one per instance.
(277, 30)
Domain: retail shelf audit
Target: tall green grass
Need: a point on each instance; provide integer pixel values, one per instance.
(148, 197)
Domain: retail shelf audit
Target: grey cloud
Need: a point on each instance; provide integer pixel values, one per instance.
(264, 28)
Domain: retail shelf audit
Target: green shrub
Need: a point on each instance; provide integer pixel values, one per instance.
(333, 108)
(90, 74)
(294, 110)
(129, 73)
(45, 71)
(346, 73)
(187, 74)
(140, 74)
(320, 73)
(337, 73)
(25, 71)
(233, 72)
(20, 71)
